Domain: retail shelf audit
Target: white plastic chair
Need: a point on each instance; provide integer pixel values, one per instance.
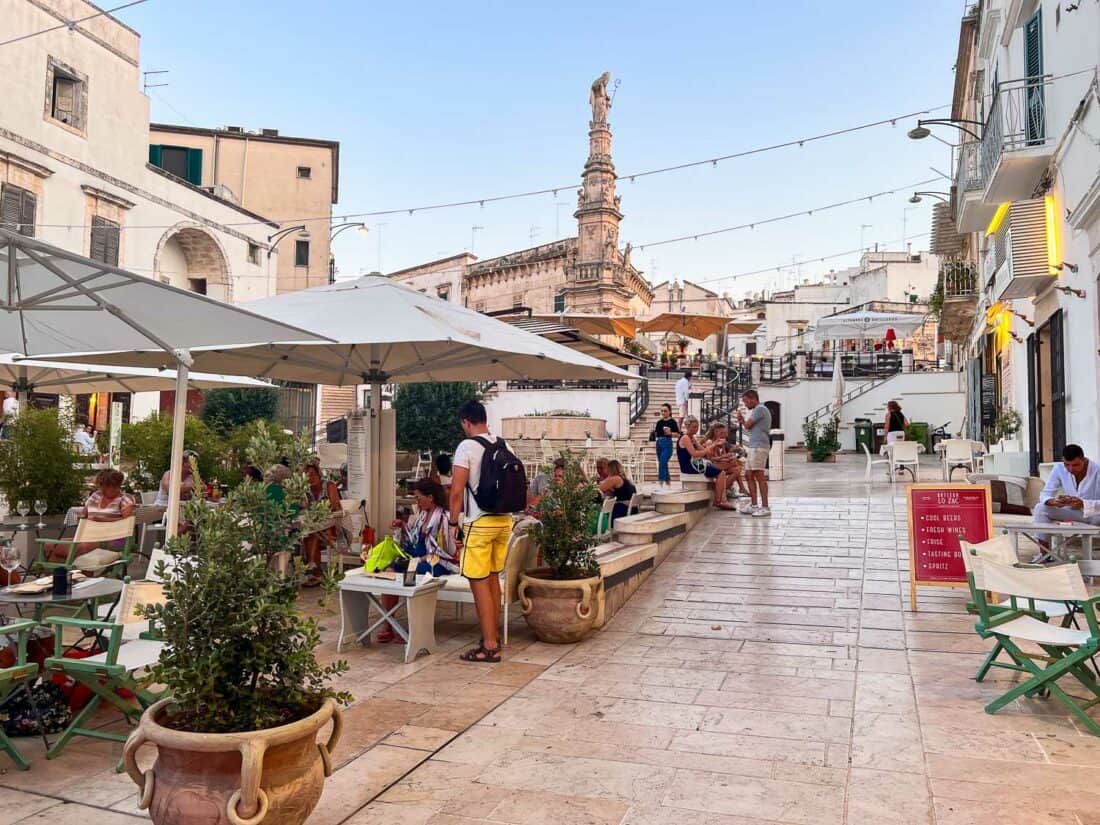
(603, 520)
(957, 452)
(905, 455)
(871, 461)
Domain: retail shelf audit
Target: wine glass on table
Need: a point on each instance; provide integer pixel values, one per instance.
(40, 507)
(9, 560)
(23, 508)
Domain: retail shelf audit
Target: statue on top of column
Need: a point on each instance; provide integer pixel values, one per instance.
(598, 98)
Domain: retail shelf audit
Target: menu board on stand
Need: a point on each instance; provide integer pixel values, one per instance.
(939, 514)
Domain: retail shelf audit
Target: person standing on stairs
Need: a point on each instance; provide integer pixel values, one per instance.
(662, 436)
(683, 392)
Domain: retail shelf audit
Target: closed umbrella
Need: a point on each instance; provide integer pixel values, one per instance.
(384, 332)
(838, 387)
(55, 301)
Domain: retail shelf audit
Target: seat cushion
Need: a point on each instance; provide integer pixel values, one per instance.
(1033, 630)
(1054, 610)
(135, 655)
(96, 560)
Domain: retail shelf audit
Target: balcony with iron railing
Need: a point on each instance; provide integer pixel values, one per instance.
(972, 213)
(956, 299)
(1016, 146)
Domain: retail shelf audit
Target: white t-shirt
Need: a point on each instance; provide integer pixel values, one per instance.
(11, 407)
(469, 455)
(683, 389)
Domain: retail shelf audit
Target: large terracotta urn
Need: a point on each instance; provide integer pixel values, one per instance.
(560, 611)
(265, 777)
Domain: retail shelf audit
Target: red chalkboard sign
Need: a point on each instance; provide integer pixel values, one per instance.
(938, 515)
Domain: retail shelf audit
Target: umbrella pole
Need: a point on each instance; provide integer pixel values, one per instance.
(179, 423)
(374, 463)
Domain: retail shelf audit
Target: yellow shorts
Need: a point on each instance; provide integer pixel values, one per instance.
(485, 546)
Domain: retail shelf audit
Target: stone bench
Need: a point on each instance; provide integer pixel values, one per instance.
(666, 530)
(695, 503)
(695, 483)
(624, 567)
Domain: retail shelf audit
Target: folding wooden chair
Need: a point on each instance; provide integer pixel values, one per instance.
(19, 677)
(123, 665)
(100, 533)
(1065, 649)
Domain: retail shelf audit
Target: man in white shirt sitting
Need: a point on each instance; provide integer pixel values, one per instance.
(1072, 493)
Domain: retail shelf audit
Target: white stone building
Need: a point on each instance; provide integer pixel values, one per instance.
(74, 152)
(1022, 294)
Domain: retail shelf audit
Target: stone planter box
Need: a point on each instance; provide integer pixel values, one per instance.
(829, 459)
(554, 426)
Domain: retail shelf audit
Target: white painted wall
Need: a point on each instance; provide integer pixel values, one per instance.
(599, 403)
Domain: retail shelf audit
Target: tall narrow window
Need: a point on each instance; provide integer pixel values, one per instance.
(1033, 65)
(301, 253)
(559, 302)
(17, 210)
(105, 237)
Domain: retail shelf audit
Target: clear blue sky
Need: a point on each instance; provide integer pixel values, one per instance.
(438, 101)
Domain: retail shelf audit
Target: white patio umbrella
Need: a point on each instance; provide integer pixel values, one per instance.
(384, 332)
(25, 376)
(838, 386)
(867, 325)
(56, 302)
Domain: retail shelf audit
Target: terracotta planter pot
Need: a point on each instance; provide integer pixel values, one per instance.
(560, 612)
(268, 777)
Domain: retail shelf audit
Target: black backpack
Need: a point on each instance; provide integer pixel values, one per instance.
(502, 486)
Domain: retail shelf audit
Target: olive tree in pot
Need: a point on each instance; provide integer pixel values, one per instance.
(237, 737)
(560, 601)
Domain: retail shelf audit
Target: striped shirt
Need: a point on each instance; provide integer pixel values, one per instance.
(97, 507)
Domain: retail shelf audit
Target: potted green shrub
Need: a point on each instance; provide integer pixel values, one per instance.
(560, 600)
(822, 442)
(236, 739)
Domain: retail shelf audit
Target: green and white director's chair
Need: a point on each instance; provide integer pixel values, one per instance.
(124, 664)
(19, 676)
(999, 549)
(1065, 649)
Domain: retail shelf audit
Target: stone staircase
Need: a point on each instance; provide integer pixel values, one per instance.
(661, 391)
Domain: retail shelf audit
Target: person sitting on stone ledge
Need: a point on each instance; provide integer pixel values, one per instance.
(694, 461)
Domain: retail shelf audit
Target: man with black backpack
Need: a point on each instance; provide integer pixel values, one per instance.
(488, 485)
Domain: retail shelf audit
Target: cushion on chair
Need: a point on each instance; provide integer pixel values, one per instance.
(135, 655)
(1033, 630)
(96, 560)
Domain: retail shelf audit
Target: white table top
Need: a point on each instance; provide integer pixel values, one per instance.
(357, 580)
(1075, 528)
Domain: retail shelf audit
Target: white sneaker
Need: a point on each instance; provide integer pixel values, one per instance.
(746, 509)
(761, 512)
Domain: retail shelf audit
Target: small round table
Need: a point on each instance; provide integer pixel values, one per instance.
(90, 594)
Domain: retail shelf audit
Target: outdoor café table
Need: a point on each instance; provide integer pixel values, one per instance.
(359, 591)
(86, 594)
(1059, 532)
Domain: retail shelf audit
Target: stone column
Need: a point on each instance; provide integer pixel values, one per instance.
(754, 372)
(800, 364)
(623, 417)
(907, 360)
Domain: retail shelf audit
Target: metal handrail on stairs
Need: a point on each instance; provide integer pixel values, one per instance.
(720, 402)
(851, 395)
(639, 400)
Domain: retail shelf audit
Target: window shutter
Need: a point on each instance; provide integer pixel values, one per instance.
(113, 238)
(154, 154)
(29, 207)
(105, 238)
(194, 166)
(11, 208)
(1033, 45)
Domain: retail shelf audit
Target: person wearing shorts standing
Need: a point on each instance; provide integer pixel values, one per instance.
(483, 537)
(757, 422)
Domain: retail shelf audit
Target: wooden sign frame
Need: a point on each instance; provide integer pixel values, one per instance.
(913, 581)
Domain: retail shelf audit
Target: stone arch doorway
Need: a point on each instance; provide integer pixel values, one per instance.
(189, 257)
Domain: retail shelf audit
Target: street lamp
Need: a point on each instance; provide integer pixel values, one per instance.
(921, 130)
(343, 227)
(273, 239)
(942, 197)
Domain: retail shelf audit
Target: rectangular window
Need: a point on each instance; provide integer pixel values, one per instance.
(517, 300)
(301, 253)
(443, 292)
(305, 172)
(17, 210)
(479, 306)
(1033, 65)
(254, 253)
(66, 95)
(183, 162)
(559, 302)
(105, 238)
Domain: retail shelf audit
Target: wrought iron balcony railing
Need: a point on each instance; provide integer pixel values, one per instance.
(960, 279)
(1017, 120)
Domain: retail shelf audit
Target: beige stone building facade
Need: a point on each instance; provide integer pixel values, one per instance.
(587, 273)
(293, 180)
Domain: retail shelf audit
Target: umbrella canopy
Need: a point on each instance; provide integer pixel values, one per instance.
(54, 301)
(867, 325)
(382, 331)
(26, 375)
(687, 324)
(743, 327)
(577, 340)
(624, 326)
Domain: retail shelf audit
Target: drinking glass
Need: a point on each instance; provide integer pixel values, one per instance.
(40, 507)
(9, 559)
(23, 508)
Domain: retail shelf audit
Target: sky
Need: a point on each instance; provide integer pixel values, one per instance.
(442, 101)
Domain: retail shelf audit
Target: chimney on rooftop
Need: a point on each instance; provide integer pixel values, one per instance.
(235, 129)
(269, 132)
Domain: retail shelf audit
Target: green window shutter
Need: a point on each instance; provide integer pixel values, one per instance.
(1033, 45)
(154, 154)
(1033, 65)
(194, 166)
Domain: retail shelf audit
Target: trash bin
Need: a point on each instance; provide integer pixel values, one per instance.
(920, 432)
(775, 456)
(880, 437)
(864, 435)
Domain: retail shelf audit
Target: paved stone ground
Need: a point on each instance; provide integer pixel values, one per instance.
(769, 672)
